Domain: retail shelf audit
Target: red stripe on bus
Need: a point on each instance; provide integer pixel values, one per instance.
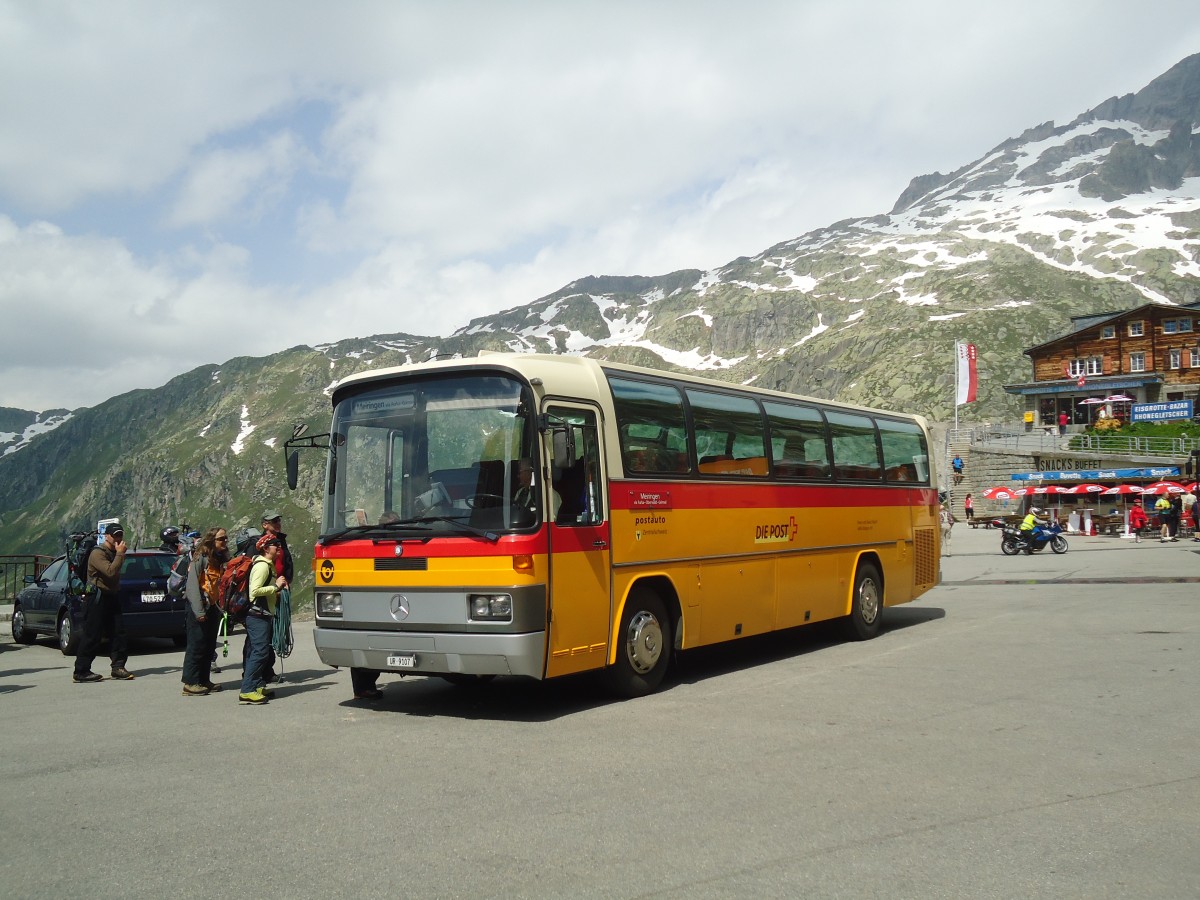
(574, 539)
(437, 547)
(648, 495)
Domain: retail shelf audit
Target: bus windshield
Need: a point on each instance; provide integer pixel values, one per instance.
(452, 454)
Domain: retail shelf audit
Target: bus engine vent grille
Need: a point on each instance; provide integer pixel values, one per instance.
(402, 564)
(925, 567)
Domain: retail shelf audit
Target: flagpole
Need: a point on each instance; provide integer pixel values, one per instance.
(956, 368)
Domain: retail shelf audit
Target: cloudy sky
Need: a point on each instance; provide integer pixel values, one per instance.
(182, 183)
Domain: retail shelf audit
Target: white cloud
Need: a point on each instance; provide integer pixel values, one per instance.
(242, 180)
(406, 167)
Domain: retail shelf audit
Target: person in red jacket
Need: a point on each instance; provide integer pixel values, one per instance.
(1137, 520)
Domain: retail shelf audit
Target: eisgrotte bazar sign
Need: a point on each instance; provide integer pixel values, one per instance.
(1161, 412)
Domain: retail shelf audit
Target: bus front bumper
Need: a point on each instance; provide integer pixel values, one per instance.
(433, 654)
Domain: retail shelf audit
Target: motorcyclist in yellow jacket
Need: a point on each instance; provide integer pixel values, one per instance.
(1034, 519)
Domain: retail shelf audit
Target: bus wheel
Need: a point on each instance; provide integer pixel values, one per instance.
(866, 608)
(644, 645)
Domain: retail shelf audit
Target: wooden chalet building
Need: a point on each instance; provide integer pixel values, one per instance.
(1150, 354)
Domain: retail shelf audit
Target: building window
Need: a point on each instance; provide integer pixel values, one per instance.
(1194, 358)
(1176, 326)
(1093, 365)
(1137, 362)
(1174, 359)
(1108, 332)
(1137, 329)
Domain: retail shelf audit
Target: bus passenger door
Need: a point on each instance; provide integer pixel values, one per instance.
(580, 539)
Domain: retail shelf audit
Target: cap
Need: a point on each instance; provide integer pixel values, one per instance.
(266, 541)
(271, 515)
(114, 528)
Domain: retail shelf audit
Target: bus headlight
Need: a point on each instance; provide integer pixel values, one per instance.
(329, 603)
(491, 607)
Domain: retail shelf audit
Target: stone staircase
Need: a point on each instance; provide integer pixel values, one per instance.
(960, 446)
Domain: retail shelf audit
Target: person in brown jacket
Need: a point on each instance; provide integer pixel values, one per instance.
(103, 613)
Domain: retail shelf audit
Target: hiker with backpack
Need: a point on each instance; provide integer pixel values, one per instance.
(203, 615)
(272, 523)
(263, 593)
(103, 613)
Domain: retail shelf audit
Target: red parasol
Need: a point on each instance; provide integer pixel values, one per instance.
(998, 493)
(1041, 489)
(1086, 489)
(1123, 489)
(1164, 487)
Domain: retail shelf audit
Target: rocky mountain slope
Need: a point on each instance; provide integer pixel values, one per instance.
(1100, 214)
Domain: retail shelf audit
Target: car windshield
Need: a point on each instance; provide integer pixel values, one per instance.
(448, 455)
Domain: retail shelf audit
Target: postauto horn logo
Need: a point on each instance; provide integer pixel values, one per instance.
(780, 532)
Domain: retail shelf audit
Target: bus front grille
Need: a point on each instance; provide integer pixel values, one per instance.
(402, 564)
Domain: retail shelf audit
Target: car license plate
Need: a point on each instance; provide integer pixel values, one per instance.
(153, 596)
(407, 661)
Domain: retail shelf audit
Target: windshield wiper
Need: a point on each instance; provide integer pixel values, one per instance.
(360, 530)
(420, 523)
(458, 523)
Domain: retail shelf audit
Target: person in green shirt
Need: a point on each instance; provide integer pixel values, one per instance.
(264, 586)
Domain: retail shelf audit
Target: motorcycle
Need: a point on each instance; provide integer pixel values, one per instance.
(1014, 541)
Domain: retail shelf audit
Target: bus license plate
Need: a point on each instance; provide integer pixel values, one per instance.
(407, 661)
(153, 597)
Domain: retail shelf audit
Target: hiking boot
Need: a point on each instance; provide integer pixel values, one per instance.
(267, 692)
(195, 690)
(372, 694)
(253, 697)
(212, 688)
(121, 674)
(86, 678)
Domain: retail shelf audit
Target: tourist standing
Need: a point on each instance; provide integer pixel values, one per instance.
(103, 613)
(264, 588)
(203, 617)
(947, 521)
(1137, 520)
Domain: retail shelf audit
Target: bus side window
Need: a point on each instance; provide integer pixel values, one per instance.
(576, 481)
(904, 452)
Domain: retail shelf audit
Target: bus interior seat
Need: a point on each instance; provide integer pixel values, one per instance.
(569, 484)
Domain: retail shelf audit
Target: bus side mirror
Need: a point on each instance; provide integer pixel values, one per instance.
(293, 468)
(564, 447)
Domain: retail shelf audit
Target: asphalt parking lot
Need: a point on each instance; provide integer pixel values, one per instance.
(1026, 729)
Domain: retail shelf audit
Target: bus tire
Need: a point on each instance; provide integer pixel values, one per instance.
(866, 604)
(643, 645)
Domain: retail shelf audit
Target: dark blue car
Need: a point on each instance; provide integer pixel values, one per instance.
(49, 604)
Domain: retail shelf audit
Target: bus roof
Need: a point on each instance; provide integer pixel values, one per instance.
(583, 376)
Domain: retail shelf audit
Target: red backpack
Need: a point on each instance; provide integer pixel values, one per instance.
(233, 590)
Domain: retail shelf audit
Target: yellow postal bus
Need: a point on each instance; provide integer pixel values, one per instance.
(539, 515)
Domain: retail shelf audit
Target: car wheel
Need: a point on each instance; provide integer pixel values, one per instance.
(68, 640)
(20, 633)
(643, 645)
(866, 605)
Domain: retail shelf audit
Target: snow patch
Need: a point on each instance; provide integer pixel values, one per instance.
(239, 443)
